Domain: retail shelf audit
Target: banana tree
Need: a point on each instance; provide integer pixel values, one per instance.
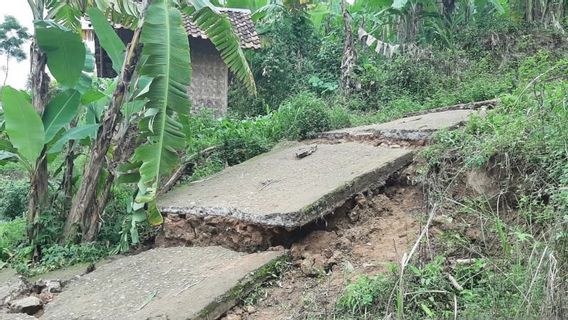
(165, 60)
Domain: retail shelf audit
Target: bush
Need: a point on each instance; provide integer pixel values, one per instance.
(58, 256)
(360, 296)
(13, 198)
(115, 213)
(243, 140)
(339, 117)
(12, 235)
(303, 116)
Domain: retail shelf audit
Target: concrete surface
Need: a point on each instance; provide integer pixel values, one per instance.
(277, 189)
(411, 128)
(4, 315)
(165, 283)
(11, 285)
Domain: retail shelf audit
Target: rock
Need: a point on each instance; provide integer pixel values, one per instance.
(250, 309)
(46, 296)
(443, 221)
(314, 265)
(11, 286)
(353, 215)
(297, 251)
(233, 317)
(29, 305)
(51, 286)
(307, 267)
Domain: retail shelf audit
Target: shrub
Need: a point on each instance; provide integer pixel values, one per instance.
(361, 295)
(13, 198)
(243, 140)
(58, 256)
(12, 235)
(303, 116)
(339, 117)
(115, 213)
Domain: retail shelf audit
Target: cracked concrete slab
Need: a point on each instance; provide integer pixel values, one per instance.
(179, 283)
(11, 285)
(418, 127)
(278, 189)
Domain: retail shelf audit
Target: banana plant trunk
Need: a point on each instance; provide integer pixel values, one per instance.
(38, 196)
(125, 147)
(83, 219)
(349, 55)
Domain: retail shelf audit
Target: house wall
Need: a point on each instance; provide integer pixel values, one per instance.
(209, 82)
(103, 62)
(209, 79)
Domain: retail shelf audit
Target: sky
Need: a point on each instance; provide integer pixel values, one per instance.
(18, 70)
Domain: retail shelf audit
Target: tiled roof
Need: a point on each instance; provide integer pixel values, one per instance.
(242, 26)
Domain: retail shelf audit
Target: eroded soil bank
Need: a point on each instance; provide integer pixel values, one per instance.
(369, 232)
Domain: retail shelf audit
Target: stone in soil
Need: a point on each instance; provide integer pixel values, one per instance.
(165, 283)
(279, 190)
(29, 305)
(414, 128)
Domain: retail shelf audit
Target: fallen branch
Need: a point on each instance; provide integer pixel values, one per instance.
(454, 282)
(178, 173)
(302, 153)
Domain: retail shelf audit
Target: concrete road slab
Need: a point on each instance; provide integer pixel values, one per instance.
(4, 315)
(411, 128)
(165, 283)
(278, 189)
(11, 285)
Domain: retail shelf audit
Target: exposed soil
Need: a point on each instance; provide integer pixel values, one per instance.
(362, 237)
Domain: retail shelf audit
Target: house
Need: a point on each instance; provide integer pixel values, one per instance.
(210, 76)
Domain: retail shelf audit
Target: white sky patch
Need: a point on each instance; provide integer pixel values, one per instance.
(19, 71)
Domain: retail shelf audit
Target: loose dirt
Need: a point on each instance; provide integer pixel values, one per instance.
(363, 237)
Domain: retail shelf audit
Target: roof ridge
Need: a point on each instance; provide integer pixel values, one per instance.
(241, 22)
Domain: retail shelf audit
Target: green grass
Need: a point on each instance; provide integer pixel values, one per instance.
(520, 254)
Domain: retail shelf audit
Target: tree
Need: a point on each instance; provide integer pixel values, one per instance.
(12, 37)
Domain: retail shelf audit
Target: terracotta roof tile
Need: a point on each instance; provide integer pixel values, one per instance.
(242, 25)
